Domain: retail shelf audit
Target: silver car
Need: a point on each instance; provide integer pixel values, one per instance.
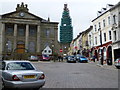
(21, 74)
(117, 63)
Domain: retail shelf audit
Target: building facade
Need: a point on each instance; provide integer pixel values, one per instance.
(103, 35)
(23, 33)
(85, 44)
(91, 42)
(115, 16)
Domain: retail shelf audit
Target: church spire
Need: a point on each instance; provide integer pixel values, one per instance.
(66, 26)
(65, 7)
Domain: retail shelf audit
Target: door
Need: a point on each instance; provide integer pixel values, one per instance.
(20, 48)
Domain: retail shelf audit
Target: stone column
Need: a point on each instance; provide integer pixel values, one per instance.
(15, 36)
(2, 41)
(38, 39)
(27, 37)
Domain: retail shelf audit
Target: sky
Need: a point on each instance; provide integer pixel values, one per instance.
(82, 12)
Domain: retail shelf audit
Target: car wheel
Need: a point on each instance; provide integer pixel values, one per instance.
(3, 86)
(36, 88)
(117, 67)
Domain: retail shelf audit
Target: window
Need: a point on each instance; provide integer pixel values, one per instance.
(104, 55)
(114, 19)
(96, 40)
(95, 27)
(45, 51)
(21, 32)
(33, 31)
(90, 39)
(99, 26)
(108, 20)
(19, 66)
(47, 33)
(104, 36)
(115, 37)
(31, 47)
(9, 30)
(49, 51)
(110, 37)
(104, 23)
(9, 46)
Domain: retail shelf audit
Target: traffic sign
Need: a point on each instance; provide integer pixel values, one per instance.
(61, 50)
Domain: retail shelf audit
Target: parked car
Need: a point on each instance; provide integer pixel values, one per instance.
(33, 58)
(44, 57)
(20, 75)
(71, 59)
(117, 63)
(82, 59)
(78, 56)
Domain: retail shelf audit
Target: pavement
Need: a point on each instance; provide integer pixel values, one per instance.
(97, 63)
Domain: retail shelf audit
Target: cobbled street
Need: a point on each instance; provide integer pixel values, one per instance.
(77, 75)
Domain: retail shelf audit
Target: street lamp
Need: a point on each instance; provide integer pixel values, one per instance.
(101, 50)
(53, 52)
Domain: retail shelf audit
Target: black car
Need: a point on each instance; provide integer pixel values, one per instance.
(71, 59)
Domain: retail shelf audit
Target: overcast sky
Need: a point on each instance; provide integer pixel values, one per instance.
(82, 12)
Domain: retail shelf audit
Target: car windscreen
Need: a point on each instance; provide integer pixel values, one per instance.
(19, 66)
(82, 57)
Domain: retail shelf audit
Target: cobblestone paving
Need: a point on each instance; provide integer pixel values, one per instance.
(77, 75)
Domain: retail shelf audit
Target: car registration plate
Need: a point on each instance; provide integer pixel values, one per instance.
(29, 76)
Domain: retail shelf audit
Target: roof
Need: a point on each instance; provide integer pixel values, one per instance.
(114, 6)
(8, 61)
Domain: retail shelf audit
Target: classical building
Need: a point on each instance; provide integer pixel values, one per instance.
(23, 33)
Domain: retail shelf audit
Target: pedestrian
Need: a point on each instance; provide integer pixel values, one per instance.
(94, 57)
(59, 57)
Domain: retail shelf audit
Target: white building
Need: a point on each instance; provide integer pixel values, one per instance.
(91, 42)
(102, 31)
(115, 16)
(47, 51)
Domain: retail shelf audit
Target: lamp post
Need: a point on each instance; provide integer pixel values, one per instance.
(101, 50)
(53, 52)
(65, 50)
(6, 55)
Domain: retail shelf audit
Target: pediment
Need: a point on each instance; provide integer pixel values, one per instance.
(21, 15)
